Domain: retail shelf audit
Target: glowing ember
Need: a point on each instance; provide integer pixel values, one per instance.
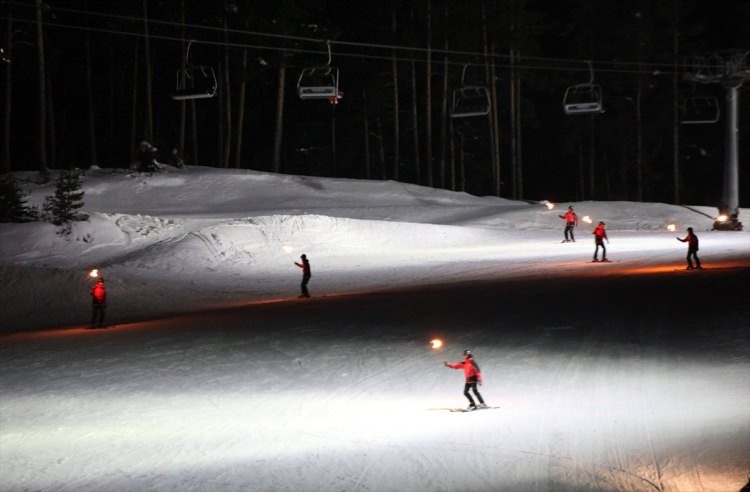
(436, 343)
(287, 249)
(586, 219)
(94, 273)
(671, 227)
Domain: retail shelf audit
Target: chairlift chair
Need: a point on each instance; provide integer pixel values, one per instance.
(195, 81)
(699, 110)
(585, 98)
(470, 101)
(318, 83)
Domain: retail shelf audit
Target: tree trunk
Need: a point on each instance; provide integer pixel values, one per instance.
(452, 153)
(241, 112)
(592, 157)
(676, 185)
(42, 79)
(8, 93)
(428, 97)
(194, 127)
(333, 140)
(134, 104)
(92, 109)
(51, 128)
(444, 111)
(493, 128)
(149, 81)
(639, 137)
(381, 148)
(227, 97)
(415, 122)
(183, 103)
(396, 109)
(366, 122)
(279, 119)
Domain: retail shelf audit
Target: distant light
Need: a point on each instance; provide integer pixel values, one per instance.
(436, 343)
(671, 227)
(548, 204)
(722, 218)
(94, 273)
(586, 219)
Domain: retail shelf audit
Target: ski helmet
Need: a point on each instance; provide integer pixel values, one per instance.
(467, 353)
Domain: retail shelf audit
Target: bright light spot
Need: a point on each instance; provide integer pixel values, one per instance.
(94, 273)
(722, 218)
(671, 227)
(586, 219)
(548, 204)
(436, 343)
(287, 249)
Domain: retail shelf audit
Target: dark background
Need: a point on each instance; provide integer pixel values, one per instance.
(561, 157)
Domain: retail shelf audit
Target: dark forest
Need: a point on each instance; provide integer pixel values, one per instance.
(86, 81)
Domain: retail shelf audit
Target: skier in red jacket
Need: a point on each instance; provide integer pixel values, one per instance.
(473, 375)
(99, 303)
(306, 274)
(692, 252)
(571, 221)
(599, 236)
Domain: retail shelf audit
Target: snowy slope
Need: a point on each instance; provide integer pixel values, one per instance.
(620, 376)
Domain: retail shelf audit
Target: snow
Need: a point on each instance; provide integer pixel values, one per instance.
(212, 375)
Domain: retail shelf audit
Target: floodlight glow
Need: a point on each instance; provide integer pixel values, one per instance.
(671, 227)
(586, 219)
(436, 343)
(94, 273)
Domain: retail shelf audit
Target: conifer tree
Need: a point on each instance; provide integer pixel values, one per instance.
(13, 207)
(62, 208)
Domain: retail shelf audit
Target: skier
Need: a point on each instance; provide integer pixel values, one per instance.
(599, 236)
(692, 252)
(305, 266)
(571, 221)
(99, 303)
(473, 376)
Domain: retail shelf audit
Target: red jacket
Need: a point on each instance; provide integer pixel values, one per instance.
(599, 232)
(98, 293)
(692, 241)
(471, 371)
(570, 217)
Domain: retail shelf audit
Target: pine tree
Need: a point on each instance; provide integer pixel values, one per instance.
(62, 208)
(13, 207)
